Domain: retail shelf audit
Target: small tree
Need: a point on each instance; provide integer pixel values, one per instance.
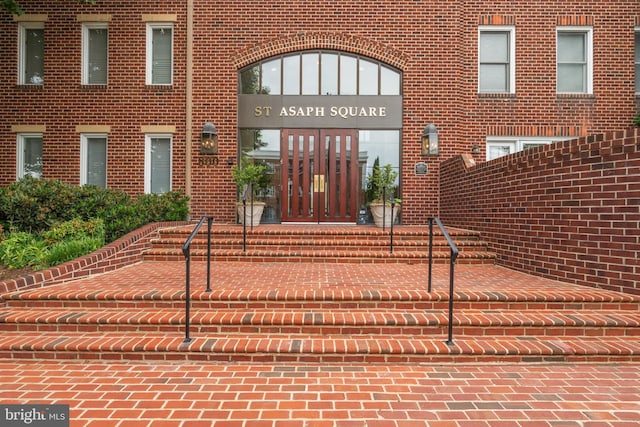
(381, 178)
(251, 173)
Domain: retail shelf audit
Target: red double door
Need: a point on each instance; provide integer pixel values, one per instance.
(320, 175)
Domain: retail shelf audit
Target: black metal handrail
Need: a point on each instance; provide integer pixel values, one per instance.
(452, 262)
(186, 251)
(246, 192)
(384, 216)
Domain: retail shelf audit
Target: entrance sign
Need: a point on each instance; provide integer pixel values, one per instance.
(337, 112)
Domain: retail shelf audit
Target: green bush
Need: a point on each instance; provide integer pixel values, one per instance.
(68, 250)
(23, 249)
(33, 205)
(36, 205)
(170, 206)
(52, 222)
(75, 229)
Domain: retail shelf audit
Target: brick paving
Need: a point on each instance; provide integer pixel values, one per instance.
(261, 394)
(310, 395)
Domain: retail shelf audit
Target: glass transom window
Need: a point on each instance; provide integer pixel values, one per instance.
(319, 73)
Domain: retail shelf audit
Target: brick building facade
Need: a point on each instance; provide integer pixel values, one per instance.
(494, 77)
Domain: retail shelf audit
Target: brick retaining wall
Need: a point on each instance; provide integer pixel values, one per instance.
(567, 211)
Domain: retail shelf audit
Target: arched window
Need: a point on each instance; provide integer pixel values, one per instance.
(319, 73)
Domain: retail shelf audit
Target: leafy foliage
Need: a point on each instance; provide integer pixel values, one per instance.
(255, 174)
(52, 222)
(22, 249)
(67, 250)
(636, 121)
(380, 179)
(75, 229)
(36, 205)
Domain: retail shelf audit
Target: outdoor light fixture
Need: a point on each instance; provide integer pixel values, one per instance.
(430, 140)
(209, 139)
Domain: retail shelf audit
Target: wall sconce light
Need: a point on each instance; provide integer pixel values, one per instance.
(209, 139)
(430, 140)
(475, 148)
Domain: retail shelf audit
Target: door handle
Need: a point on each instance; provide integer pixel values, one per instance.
(318, 183)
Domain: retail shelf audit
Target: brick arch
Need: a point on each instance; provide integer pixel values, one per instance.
(332, 41)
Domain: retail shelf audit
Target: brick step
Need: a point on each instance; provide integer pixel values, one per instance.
(346, 244)
(319, 256)
(348, 349)
(339, 245)
(146, 296)
(329, 323)
(313, 232)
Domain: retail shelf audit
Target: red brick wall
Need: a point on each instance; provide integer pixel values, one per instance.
(568, 211)
(62, 103)
(434, 44)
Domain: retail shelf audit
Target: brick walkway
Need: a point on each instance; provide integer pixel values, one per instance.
(240, 395)
(188, 394)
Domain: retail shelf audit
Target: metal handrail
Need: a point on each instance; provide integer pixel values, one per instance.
(246, 192)
(452, 261)
(384, 216)
(186, 251)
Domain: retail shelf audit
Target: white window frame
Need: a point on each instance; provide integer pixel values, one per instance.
(155, 26)
(84, 156)
(148, 160)
(86, 27)
(22, 50)
(511, 89)
(21, 137)
(588, 32)
(517, 144)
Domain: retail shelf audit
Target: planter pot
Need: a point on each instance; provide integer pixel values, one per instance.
(249, 219)
(377, 210)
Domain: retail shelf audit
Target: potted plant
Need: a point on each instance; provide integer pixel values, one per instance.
(381, 185)
(252, 180)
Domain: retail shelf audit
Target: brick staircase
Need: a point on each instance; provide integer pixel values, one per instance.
(340, 306)
(304, 243)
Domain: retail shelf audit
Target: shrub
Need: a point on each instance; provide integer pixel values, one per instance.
(67, 250)
(33, 205)
(36, 205)
(23, 249)
(171, 206)
(75, 229)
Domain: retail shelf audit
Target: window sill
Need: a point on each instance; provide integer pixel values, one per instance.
(30, 88)
(575, 96)
(486, 95)
(94, 87)
(159, 88)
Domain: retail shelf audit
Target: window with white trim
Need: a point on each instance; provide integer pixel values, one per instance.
(159, 53)
(637, 60)
(29, 155)
(496, 59)
(574, 60)
(157, 164)
(93, 160)
(31, 53)
(95, 57)
(502, 146)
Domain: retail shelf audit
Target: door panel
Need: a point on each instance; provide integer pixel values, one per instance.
(319, 175)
